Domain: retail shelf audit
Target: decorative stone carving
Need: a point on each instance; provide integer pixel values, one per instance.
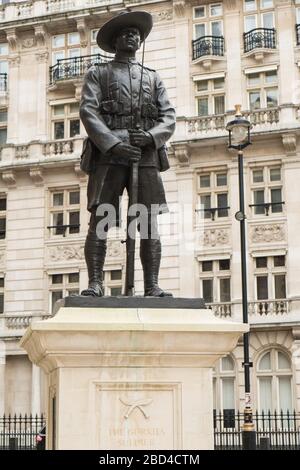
(36, 174)
(28, 43)
(14, 60)
(9, 177)
(114, 249)
(137, 404)
(42, 57)
(40, 34)
(82, 29)
(267, 233)
(78, 88)
(289, 142)
(78, 171)
(165, 15)
(66, 253)
(215, 237)
(22, 151)
(12, 39)
(179, 7)
(182, 153)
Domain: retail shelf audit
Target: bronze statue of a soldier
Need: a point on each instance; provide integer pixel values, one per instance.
(128, 118)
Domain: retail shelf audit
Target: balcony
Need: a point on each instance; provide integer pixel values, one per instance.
(298, 34)
(209, 47)
(16, 11)
(260, 311)
(220, 309)
(262, 120)
(260, 38)
(262, 308)
(22, 321)
(75, 67)
(3, 82)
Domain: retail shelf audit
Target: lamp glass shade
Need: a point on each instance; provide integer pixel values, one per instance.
(239, 134)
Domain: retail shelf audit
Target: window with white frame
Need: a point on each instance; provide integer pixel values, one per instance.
(213, 195)
(112, 282)
(208, 20)
(65, 120)
(210, 96)
(274, 381)
(95, 49)
(2, 216)
(62, 285)
(4, 57)
(224, 396)
(3, 126)
(262, 90)
(64, 211)
(298, 15)
(270, 277)
(215, 280)
(258, 14)
(266, 189)
(1, 294)
(65, 46)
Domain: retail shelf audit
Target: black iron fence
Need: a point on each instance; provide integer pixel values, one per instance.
(298, 34)
(208, 45)
(20, 432)
(260, 38)
(276, 431)
(3, 81)
(73, 67)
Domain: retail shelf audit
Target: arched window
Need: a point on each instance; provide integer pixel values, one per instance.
(274, 377)
(224, 384)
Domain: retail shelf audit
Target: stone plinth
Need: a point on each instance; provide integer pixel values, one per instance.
(130, 378)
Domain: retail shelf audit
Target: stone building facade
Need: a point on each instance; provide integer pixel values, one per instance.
(211, 56)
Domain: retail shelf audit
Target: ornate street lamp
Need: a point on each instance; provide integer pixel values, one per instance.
(239, 138)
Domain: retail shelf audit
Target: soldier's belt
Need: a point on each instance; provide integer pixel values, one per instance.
(128, 122)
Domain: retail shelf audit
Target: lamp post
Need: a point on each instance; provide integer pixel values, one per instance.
(239, 138)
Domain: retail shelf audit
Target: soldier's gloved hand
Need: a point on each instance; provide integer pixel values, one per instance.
(126, 151)
(140, 138)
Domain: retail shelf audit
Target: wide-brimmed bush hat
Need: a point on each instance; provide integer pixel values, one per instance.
(141, 20)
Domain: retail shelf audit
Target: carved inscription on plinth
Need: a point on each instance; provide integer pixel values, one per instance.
(138, 416)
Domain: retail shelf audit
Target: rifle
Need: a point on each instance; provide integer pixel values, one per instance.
(133, 199)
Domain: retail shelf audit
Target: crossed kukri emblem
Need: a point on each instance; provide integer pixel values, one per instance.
(140, 404)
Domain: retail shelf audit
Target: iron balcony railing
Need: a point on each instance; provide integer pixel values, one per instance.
(74, 67)
(260, 38)
(20, 432)
(275, 431)
(208, 45)
(3, 81)
(298, 34)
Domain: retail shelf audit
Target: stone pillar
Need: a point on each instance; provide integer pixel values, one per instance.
(41, 104)
(132, 377)
(13, 90)
(233, 47)
(2, 377)
(183, 82)
(186, 241)
(291, 168)
(287, 72)
(35, 390)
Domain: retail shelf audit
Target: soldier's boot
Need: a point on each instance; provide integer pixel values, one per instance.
(150, 253)
(95, 251)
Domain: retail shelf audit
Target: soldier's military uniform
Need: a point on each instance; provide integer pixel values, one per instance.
(110, 106)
